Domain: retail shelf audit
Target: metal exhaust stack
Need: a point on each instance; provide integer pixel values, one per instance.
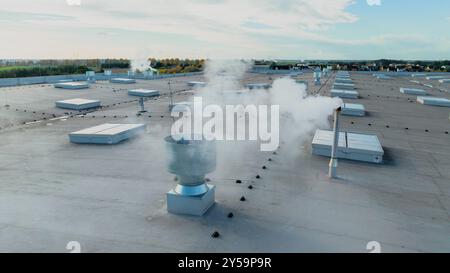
(90, 76)
(317, 76)
(190, 161)
(141, 106)
(332, 171)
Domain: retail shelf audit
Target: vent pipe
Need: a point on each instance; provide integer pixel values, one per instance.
(332, 171)
(90, 76)
(317, 76)
(190, 161)
(141, 105)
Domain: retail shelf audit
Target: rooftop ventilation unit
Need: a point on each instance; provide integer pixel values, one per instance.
(413, 91)
(346, 86)
(141, 106)
(433, 101)
(78, 104)
(344, 94)
(122, 80)
(106, 133)
(143, 93)
(353, 109)
(258, 85)
(108, 73)
(352, 146)
(90, 76)
(71, 85)
(382, 77)
(343, 80)
(196, 84)
(181, 107)
(317, 75)
(332, 166)
(190, 161)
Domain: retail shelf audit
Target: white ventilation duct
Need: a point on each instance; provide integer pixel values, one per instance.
(190, 161)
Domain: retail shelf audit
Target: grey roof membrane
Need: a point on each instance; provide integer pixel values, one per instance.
(112, 198)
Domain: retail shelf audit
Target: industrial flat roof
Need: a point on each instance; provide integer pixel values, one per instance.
(112, 198)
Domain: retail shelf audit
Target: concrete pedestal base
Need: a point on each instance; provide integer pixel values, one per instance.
(191, 205)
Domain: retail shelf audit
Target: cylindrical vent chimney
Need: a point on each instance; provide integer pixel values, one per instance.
(190, 161)
(332, 171)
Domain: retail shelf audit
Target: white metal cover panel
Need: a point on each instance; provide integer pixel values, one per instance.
(353, 109)
(364, 143)
(106, 133)
(258, 85)
(434, 101)
(413, 91)
(325, 138)
(118, 129)
(435, 77)
(180, 107)
(349, 86)
(122, 80)
(78, 101)
(198, 84)
(143, 92)
(347, 94)
(77, 104)
(352, 146)
(340, 80)
(71, 85)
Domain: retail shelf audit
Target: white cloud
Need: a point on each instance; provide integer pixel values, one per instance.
(190, 28)
(232, 24)
(374, 2)
(73, 2)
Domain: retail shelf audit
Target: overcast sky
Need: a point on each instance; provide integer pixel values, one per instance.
(288, 29)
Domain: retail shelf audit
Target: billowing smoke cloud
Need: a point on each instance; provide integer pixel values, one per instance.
(301, 114)
(140, 65)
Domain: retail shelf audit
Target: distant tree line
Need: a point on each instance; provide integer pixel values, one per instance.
(33, 71)
(115, 63)
(27, 68)
(173, 66)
